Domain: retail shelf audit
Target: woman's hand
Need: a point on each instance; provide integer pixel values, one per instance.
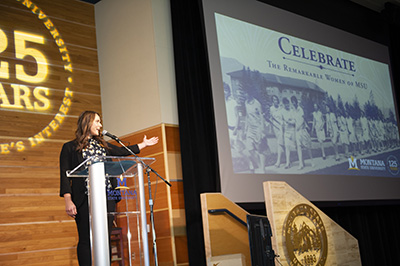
(70, 207)
(148, 142)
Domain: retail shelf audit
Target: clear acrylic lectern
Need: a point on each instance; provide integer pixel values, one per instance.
(120, 179)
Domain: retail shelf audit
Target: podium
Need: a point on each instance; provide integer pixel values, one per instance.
(304, 235)
(301, 233)
(117, 179)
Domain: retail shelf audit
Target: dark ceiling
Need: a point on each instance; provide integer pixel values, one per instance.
(376, 5)
(91, 1)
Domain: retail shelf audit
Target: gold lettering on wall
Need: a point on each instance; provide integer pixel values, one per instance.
(26, 69)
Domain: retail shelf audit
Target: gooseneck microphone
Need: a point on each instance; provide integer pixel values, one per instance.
(108, 134)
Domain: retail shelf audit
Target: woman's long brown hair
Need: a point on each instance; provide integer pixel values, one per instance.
(82, 132)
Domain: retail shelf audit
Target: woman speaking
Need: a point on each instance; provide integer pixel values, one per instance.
(88, 142)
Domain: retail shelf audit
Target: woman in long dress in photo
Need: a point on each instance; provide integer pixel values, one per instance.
(333, 130)
(303, 139)
(319, 126)
(289, 126)
(343, 131)
(255, 132)
(276, 121)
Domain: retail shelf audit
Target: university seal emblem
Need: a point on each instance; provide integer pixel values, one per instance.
(305, 237)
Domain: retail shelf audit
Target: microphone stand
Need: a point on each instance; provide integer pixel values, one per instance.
(148, 170)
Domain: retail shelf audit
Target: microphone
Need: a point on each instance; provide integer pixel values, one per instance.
(108, 134)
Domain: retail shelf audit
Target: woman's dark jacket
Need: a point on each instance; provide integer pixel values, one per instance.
(71, 158)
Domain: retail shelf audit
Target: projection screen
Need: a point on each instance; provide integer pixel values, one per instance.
(301, 102)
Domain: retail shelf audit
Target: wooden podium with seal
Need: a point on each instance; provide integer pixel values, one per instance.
(304, 235)
(301, 233)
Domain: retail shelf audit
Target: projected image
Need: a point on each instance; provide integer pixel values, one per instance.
(295, 107)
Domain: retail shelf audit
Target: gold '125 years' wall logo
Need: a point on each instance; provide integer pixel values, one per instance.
(35, 77)
(305, 237)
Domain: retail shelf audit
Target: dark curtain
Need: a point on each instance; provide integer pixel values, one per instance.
(391, 14)
(375, 226)
(196, 119)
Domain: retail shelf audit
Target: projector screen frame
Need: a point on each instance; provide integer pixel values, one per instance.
(317, 188)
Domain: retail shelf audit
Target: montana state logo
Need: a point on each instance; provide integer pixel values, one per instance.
(305, 236)
(353, 163)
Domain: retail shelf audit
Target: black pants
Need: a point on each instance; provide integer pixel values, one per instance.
(83, 226)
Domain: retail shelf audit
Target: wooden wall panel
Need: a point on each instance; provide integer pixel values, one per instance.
(21, 237)
(72, 11)
(182, 254)
(56, 257)
(74, 19)
(164, 248)
(178, 201)
(172, 138)
(86, 82)
(34, 228)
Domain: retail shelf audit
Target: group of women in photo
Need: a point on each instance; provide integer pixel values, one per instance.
(329, 130)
